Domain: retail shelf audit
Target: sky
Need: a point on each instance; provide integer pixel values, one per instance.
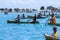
(28, 3)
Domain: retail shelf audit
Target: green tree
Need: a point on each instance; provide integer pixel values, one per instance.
(42, 8)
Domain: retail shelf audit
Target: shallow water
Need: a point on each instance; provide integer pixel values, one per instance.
(24, 31)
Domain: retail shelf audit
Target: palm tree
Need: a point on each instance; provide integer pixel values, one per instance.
(27, 10)
(1, 9)
(42, 8)
(34, 10)
(10, 10)
(49, 7)
(16, 9)
(23, 10)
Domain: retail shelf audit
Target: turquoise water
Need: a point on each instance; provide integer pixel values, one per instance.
(24, 31)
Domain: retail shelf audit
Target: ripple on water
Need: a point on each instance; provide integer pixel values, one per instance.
(24, 31)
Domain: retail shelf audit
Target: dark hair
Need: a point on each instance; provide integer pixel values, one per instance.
(18, 15)
(52, 15)
(55, 28)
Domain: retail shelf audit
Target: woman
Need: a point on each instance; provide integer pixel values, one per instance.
(55, 34)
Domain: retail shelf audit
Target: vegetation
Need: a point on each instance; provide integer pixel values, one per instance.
(53, 9)
(42, 8)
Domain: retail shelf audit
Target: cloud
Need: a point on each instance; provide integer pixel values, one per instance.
(8, 2)
(17, 2)
(28, 3)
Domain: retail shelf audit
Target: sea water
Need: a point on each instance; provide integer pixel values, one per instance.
(24, 31)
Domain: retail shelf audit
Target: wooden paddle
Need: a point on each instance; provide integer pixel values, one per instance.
(47, 20)
(28, 20)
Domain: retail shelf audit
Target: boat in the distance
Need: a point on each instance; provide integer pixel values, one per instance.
(24, 18)
(36, 17)
(48, 37)
(57, 24)
(13, 21)
(57, 16)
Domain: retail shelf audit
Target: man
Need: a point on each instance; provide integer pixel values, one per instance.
(55, 34)
(18, 18)
(53, 19)
(23, 16)
(34, 19)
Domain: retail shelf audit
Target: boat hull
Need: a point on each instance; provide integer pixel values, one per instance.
(8, 21)
(37, 17)
(57, 24)
(23, 18)
(48, 37)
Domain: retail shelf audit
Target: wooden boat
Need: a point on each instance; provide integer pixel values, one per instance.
(57, 24)
(30, 16)
(23, 18)
(48, 37)
(12, 21)
(57, 16)
(36, 17)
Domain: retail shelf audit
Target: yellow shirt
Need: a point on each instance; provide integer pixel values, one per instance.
(55, 34)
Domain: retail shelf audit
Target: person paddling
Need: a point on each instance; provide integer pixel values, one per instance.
(34, 18)
(23, 16)
(18, 18)
(55, 34)
(53, 19)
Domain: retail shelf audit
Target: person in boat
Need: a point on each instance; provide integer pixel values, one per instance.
(34, 19)
(55, 34)
(18, 18)
(23, 16)
(53, 19)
